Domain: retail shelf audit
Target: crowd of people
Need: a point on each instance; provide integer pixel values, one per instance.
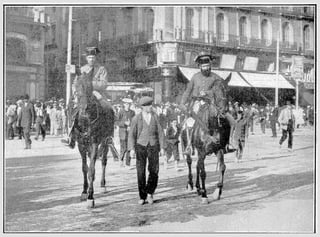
(42, 117)
(146, 130)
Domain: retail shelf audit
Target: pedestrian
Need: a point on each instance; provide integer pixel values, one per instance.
(273, 118)
(124, 121)
(18, 125)
(40, 121)
(172, 138)
(27, 120)
(240, 133)
(287, 123)
(11, 119)
(146, 140)
(52, 115)
(58, 122)
(262, 119)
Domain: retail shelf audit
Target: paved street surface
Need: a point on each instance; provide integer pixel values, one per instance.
(272, 190)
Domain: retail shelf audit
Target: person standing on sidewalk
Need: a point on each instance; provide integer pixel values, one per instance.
(40, 121)
(146, 140)
(27, 120)
(124, 121)
(273, 118)
(18, 125)
(172, 135)
(287, 121)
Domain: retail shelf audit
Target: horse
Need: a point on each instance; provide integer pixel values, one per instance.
(93, 126)
(199, 127)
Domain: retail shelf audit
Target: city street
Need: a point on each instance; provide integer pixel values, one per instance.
(271, 190)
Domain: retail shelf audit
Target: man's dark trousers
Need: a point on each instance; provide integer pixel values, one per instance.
(26, 134)
(142, 154)
(285, 133)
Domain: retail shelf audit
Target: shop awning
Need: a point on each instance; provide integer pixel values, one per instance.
(235, 80)
(265, 80)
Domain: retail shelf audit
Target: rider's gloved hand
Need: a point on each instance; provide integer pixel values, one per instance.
(97, 95)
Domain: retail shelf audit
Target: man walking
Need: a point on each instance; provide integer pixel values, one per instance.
(27, 120)
(40, 121)
(146, 140)
(287, 120)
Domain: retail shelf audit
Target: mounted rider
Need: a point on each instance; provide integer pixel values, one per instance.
(98, 85)
(205, 92)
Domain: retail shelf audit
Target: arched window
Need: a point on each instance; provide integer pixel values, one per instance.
(149, 23)
(307, 37)
(16, 51)
(266, 34)
(220, 27)
(287, 34)
(189, 22)
(243, 32)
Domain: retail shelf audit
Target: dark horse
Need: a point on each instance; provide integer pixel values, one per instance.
(93, 125)
(201, 128)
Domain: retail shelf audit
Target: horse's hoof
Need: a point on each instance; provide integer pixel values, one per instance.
(189, 188)
(216, 194)
(83, 197)
(90, 203)
(204, 200)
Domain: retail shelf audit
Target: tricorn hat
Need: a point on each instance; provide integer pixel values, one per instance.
(92, 51)
(203, 58)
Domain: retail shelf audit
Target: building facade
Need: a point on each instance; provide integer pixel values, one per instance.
(24, 50)
(156, 45)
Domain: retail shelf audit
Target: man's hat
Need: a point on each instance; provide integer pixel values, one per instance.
(26, 97)
(145, 101)
(127, 100)
(92, 51)
(203, 58)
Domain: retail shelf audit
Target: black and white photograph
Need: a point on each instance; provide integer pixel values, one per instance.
(159, 118)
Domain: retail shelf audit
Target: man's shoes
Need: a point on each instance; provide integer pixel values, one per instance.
(36, 138)
(141, 202)
(290, 149)
(150, 198)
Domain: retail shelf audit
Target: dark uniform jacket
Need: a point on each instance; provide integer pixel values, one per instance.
(99, 80)
(211, 85)
(27, 115)
(155, 130)
(123, 117)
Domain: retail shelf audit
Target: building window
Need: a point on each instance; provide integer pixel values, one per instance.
(16, 51)
(99, 31)
(53, 34)
(243, 33)
(287, 34)
(149, 24)
(220, 27)
(307, 37)
(189, 22)
(266, 34)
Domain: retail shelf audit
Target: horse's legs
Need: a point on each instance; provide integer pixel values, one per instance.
(104, 164)
(190, 182)
(83, 154)
(222, 167)
(203, 191)
(91, 174)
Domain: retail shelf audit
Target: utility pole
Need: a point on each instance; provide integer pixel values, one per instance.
(68, 68)
(276, 102)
